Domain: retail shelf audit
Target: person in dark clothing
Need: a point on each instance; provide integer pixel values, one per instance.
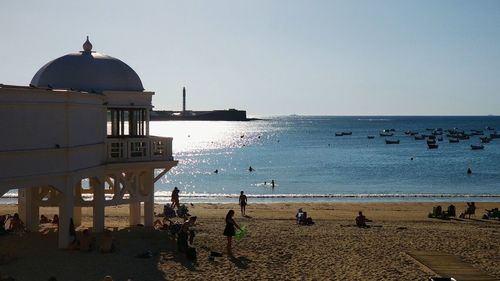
(230, 231)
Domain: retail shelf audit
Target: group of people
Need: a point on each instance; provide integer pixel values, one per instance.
(87, 242)
(15, 225)
(54, 220)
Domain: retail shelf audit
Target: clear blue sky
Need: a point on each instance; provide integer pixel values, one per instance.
(277, 57)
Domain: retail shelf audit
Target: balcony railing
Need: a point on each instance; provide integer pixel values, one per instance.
(139, 149)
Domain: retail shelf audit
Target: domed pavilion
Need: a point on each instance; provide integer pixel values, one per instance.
(78, 136)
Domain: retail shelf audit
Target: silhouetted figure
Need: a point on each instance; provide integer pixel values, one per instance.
(243, 203)
(175, 198)
(272, 183)
(250, 169)
(469, 171)
(361, 220)
(216, 171)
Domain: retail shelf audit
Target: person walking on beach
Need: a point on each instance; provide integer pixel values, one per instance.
(243, 202)
(230, 231)
(175, 198)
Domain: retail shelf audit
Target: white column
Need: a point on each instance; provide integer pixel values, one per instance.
(98, 208)
(77, 216)
(149, 204)
(66, 206)
(77, 211)
(134, 213)
(28, 208)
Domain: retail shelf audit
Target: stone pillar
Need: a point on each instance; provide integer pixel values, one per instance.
(134, 213)
(97, 185)
(28, 208)
(66, 206)
(149, 204)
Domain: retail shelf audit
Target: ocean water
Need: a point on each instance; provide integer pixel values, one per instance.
(309, 163)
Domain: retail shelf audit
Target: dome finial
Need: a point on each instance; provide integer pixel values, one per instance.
(87, 46)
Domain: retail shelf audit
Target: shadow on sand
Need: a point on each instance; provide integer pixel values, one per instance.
(240, 262)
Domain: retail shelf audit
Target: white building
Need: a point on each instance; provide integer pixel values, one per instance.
(78, 136)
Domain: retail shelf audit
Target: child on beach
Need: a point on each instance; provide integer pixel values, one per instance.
(230, 231)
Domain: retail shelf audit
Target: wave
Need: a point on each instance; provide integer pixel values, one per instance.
(167, 194)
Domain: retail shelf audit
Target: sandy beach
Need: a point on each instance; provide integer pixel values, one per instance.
(276, 248)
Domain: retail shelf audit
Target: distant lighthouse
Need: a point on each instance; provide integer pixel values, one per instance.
(183, 100)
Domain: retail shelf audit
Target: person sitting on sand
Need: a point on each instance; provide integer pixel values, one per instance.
(2, 225)
(301, 217)
(185, 233)
(361, 220)
(16, 224)
(87, 242)
(55, 219)
(44, 219)
(107, 244)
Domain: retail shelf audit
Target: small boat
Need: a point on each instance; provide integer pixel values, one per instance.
(419, 137)
(391, 141)
(490, 128)
(495, 136)
(476, 147)
(339, 134)
(485, 140)
(371, 137)
(453, 140)
(431, 141)
(432, 145)
(386, 134)
(346, 133)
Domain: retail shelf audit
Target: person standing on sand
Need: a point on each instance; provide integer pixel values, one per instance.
(230, 231)
(175, 198)
(243, 202)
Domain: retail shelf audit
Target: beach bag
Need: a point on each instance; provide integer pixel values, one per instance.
(240, 233)
(191, 253)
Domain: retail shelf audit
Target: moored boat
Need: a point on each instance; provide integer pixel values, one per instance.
(432, 145)
(476, 147)
(391, 141)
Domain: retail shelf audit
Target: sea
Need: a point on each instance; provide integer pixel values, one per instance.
(309, 163)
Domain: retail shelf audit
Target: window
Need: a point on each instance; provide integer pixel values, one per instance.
(126, 122)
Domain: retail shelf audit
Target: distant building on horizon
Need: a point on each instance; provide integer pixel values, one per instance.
(78, 136)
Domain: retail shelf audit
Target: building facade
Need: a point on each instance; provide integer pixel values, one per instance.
(78, 136)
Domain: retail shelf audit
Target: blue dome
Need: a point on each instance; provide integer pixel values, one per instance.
(87, 71)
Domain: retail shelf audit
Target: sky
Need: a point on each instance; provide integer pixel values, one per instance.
(277, 57)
